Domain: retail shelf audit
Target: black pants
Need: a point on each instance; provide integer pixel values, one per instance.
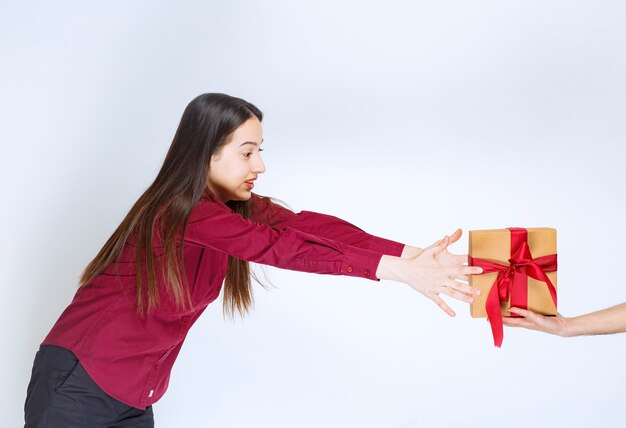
(61, 394)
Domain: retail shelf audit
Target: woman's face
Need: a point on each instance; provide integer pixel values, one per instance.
(232, 171)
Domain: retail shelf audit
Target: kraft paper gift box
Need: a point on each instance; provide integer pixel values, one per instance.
(519, 269)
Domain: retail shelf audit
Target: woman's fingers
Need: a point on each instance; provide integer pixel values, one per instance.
(443, 244)
(436, 244)
(455, 236)
(447, 240)
(455, 294)
(515, 322)
(439, 301)
(533, 321)
(468, 270)
(530, 316)
(462, 287)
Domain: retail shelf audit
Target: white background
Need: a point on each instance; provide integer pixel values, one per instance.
(408, 119)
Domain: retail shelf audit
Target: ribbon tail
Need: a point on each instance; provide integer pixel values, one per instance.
(519, 291)
(494, 315)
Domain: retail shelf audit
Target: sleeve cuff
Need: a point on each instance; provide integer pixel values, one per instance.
(361, 263)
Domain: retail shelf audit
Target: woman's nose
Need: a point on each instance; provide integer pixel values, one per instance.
(259, 166)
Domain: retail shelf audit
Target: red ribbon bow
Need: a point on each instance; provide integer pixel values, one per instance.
(512, 280)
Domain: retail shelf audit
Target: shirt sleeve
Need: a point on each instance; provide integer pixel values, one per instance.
(265, 211)
(215, 226)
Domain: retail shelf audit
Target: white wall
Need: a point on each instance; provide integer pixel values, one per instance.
(408, 119)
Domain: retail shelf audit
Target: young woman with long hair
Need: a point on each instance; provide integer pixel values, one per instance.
(109, 356)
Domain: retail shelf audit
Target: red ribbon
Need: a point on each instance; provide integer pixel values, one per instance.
(512, 280)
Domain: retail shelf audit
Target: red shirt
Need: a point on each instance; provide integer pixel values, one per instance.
(131, 357)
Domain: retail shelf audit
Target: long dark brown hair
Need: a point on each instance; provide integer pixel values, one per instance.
(205, 127)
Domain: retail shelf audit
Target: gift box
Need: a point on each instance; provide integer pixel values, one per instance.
(519, 270)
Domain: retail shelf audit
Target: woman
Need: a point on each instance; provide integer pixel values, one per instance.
(109, 356)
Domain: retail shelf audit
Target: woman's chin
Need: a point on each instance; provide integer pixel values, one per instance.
(243, 196)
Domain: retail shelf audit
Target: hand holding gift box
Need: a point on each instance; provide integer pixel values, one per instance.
(605, 321)
(519, 268)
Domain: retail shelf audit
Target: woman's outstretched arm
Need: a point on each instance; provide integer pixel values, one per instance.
(433, 272)
(606, 321)
(264, 210)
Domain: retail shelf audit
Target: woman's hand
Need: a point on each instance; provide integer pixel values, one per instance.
(433, 271)
(606, 321)
(558, 324)
(446, 258)
(438, 271)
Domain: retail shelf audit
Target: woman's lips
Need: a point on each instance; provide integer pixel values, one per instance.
(249, 185)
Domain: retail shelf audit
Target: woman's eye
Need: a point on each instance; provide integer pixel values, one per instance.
(247, 155)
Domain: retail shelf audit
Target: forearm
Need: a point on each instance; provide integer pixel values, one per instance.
(606, 321)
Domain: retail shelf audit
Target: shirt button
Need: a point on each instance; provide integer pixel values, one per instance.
(349, 268)
(157, 365)
(367, 273)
